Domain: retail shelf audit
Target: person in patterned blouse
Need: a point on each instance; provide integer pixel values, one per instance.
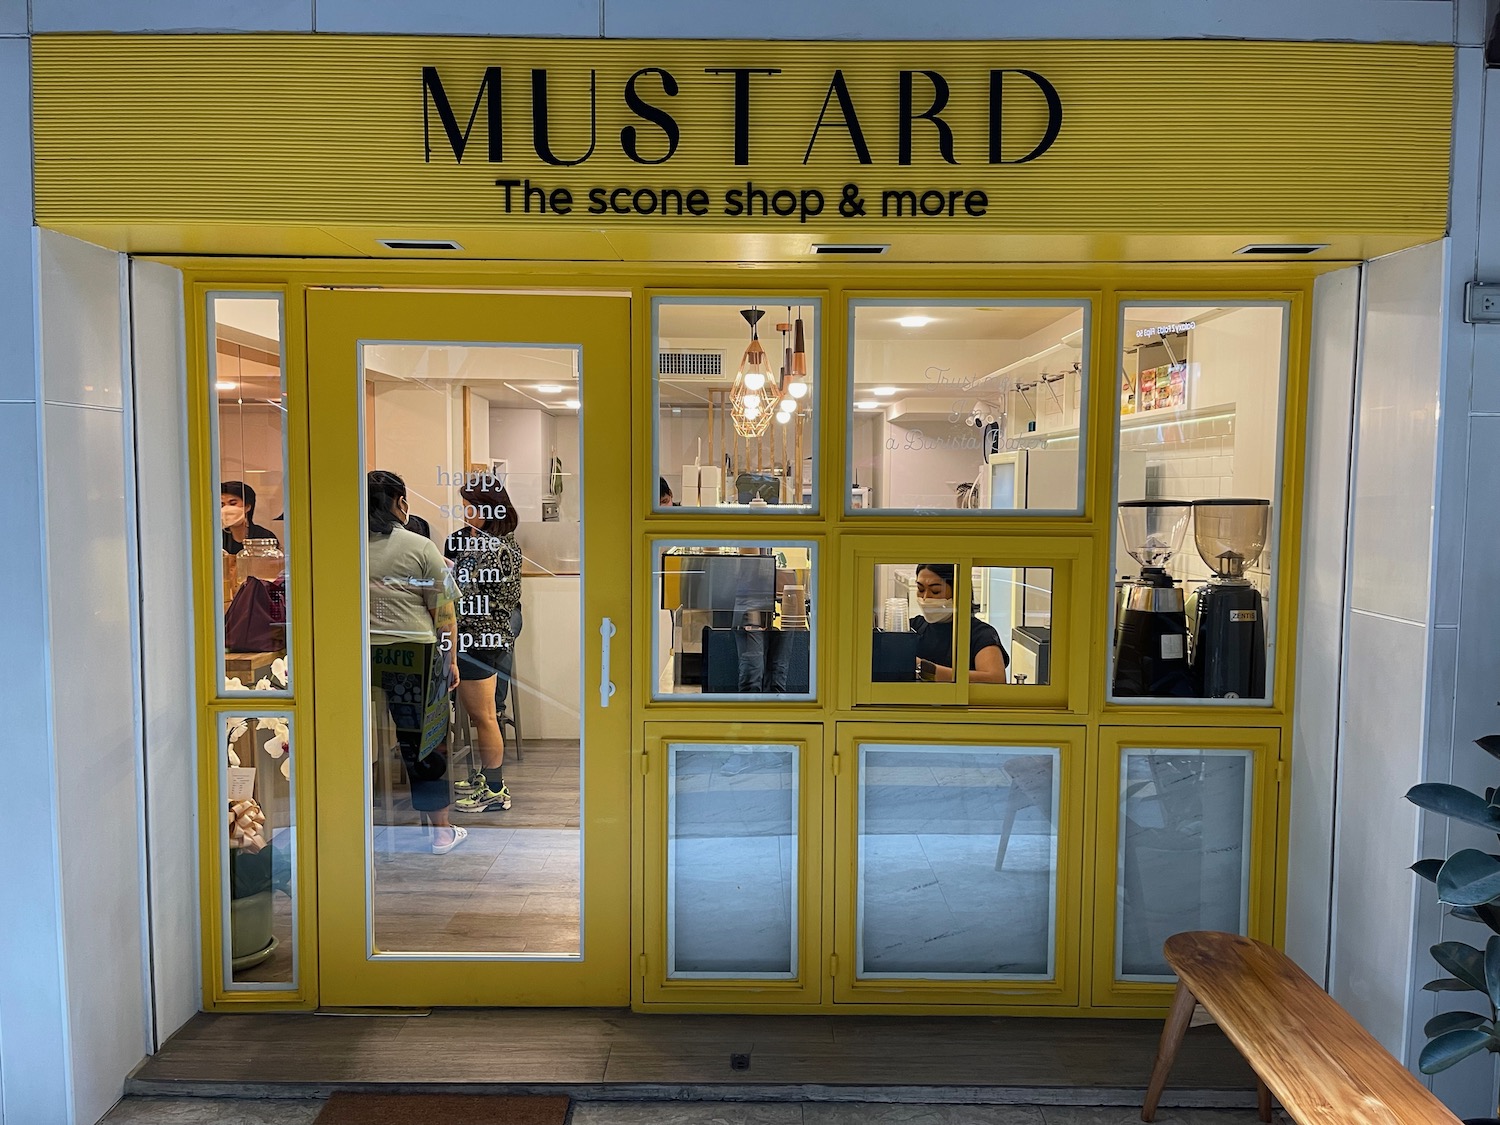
(487, 568)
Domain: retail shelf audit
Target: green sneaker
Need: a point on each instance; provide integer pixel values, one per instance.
(484, 799)
(470, 786)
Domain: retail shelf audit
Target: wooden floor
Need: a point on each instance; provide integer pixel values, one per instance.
(609, 1053)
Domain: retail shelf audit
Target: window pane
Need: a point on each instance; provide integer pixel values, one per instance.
(967, 406)
(915, 635)
(1016, 602)
(1200, 416)
(260, 856)
(732, 860)
(736, 392)
(1184, 852)
(249, 434)
(474, 639)
(735, 619)
(958, 861)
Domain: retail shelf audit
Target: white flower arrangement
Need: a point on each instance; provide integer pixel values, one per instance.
(279, 744)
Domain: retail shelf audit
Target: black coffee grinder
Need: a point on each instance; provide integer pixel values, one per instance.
(1151, 655)
(1229, 635)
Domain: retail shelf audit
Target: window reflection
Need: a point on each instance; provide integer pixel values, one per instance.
(972, 406)
(735, 619)
(1016, 602)
(472, 559)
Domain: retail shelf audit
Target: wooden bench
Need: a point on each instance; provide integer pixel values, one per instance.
(1321, 1065)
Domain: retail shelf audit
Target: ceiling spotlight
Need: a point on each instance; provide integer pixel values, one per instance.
(572, 404)
(225, 385)
(867, 404)
(548, 388)
(884, 390)
(913, 321)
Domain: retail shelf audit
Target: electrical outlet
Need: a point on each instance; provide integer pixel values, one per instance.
(1483, 304)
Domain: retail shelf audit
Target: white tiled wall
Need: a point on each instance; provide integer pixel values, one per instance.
(1320, 634)
(91, 603)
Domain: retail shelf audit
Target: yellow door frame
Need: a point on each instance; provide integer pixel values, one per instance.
(1106, 287)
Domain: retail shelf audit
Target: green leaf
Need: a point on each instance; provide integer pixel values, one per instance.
(1451, 800)
(1428, 868)
(1463, 961)
(1468, 878)
(1487, 913)
(1453, 1021)
(1448, 984)
(1467, 913)
(1490, 744)
(1452, 1047)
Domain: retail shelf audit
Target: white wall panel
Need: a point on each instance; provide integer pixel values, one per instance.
(1315, 736)
(1395, 462)
(33, 1018)
(166, 638)
(461, 17)
(13, 16)
(17, 295)
(1377, 833)
(1397, 21)
(171, 15)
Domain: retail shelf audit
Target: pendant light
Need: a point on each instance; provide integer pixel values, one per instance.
(798, 387)
(752, 402)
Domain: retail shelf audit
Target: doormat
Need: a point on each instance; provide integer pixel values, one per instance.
(346, 1108)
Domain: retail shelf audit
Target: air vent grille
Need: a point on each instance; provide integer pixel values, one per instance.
(680, 362)
(1282, 248)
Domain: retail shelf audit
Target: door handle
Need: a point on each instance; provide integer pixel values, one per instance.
(606, 685)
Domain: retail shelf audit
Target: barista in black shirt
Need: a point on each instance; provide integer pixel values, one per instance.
(237, 512)
(988, 659)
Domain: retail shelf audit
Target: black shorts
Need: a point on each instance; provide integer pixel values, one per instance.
(479, 663)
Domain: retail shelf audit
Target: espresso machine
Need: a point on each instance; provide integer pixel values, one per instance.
(1229, 634)
(1151, 656)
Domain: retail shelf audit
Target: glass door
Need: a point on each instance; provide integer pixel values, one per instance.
(470, 515)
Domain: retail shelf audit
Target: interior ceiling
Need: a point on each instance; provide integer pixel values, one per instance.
(517, 377)
(509, 377)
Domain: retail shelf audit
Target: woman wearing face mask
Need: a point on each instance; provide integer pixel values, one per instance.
(237, 513)
(987, 657)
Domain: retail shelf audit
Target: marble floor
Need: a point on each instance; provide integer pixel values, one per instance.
(260, 1111)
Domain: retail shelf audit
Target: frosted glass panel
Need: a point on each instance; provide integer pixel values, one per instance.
(732, 861)
(1184, 851)
(957, 861)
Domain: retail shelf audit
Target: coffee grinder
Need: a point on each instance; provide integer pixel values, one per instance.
(1151, 651)
(1229, 635)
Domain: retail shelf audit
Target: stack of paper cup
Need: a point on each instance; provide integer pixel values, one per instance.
(895, 615)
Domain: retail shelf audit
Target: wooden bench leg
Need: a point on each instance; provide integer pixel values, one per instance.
(1263, 1099)
(1178, 1018)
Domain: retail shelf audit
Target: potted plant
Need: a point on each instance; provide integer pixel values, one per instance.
(1468, 883)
